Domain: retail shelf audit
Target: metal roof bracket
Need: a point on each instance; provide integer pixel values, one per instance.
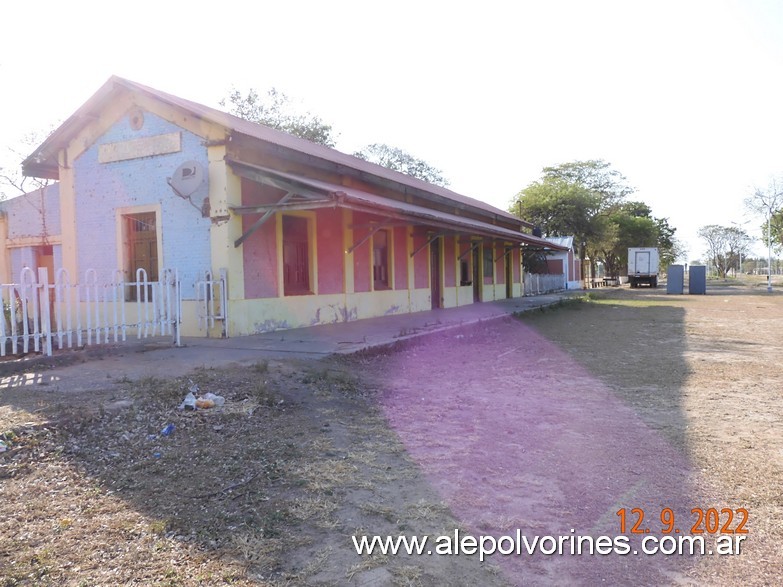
(367, 237)
(504, 255)
(431, 239)
(470, 250)
(258, 223)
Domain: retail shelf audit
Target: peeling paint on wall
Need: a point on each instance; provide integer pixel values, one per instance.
(270, 326)
(344, 314)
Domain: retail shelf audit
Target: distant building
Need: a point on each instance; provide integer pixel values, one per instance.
(564, 260)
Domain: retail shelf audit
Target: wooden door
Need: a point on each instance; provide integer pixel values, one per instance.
(435, 273)
(142, 248)
(509, 272)
(476, 275)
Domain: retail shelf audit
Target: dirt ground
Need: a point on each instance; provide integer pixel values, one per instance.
(548, 424)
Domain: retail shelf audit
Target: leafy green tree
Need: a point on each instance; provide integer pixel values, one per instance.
(669, 246)
(588, 199)
(399, 160)
(276, 110)
(633, 226)
(575, 199)
(776, 226)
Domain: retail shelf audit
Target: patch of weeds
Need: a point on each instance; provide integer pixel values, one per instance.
(407, 575)
(158, 527)
(316, 564)
(332, 380)
(261, 367)
(261, 393)
(368, 563)
(423, 510)
(154, 391)
(571, 303)
(258, 550)
(36, 568)
(313, 508)
(327, 474)
(274, 522)
(377, 509)
(634, 303)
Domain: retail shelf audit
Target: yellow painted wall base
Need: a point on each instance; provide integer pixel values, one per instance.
(266, 315)
(465, 295)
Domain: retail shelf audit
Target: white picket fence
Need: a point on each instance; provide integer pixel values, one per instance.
(212, 299)
(541, 283)
(39, 316)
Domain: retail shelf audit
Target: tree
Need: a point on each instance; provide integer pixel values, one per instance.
(768, 203)
(575, 199)
(587, 199)
(669, 247)
(596, 175)
(776, 228)
(632, 226)
(277, 111)
(724, 246)
(399, 160)
(12, 182)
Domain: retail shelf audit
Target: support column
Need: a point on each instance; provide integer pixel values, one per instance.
(225, 189)
(68, 225)
(5, 254)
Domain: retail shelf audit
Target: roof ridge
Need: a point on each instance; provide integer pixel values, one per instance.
(36, 162)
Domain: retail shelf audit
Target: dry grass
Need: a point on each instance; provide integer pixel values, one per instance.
(269, 489)
(706, 385)
(263, 491)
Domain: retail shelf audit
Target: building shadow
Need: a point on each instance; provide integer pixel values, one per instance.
(568, 423)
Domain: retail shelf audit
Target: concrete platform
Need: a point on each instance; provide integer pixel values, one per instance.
(97, 367)
(351, 337)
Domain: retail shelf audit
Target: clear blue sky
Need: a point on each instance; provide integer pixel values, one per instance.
(683, 97)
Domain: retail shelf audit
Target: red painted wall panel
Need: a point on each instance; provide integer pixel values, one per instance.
(487, 280)
(449, 262)
(500, 264)
(259, 251)
(421, 263)
(517, 267)
(362, 270)
(329, 241)
(260, 260)
(554, 266)
(401, 257)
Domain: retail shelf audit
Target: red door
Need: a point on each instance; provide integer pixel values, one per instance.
(435, 273)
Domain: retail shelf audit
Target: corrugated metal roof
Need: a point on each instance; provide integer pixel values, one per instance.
(564, 241)
(43, 160)
(428, 215)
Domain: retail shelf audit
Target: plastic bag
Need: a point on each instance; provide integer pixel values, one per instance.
(189, 403)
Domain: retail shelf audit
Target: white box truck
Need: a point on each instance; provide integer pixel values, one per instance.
(643, 266)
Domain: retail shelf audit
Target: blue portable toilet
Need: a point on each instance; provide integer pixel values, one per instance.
(675, 279)
(697, 279)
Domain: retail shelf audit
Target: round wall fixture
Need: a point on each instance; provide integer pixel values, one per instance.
(136, 117)
(187, 178)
